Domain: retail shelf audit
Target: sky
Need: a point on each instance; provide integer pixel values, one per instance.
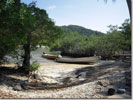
(91, 14)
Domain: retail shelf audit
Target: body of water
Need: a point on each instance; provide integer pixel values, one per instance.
(35, 56)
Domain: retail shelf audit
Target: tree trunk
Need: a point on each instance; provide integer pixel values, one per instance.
(129, 4)
(26, 62)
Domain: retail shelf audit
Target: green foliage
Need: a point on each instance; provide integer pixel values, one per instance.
(26, 26)
(74, 44)
(42, 28)
(118, 39)
(10, 27)
(77, 44)
(22, 24)
(80, 30)
(109, 44)
(126, 31)
(33, 67)
(39, 30)
(77, 41)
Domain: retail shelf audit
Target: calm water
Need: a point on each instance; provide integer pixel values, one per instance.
(35, 56)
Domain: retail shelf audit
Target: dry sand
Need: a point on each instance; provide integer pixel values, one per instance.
(70, 81)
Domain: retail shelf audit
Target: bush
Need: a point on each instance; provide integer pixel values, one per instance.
(76, 45)
(116, 40)
(33, 67)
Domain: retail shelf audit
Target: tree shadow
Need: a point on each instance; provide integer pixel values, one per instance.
(92, 74)
(7, 72)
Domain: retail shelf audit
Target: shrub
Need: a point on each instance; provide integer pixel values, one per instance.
(33, 67)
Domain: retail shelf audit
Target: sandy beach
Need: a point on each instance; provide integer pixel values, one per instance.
(61, 80)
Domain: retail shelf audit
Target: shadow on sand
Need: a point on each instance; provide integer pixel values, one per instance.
(92, 74)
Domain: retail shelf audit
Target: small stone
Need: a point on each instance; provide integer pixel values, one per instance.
(100, 83)
(24, 86)
(82, 74)
(111, 91)
(17, 88)
(121, 91)
(35, 76)
(68, 79)
(26, 82)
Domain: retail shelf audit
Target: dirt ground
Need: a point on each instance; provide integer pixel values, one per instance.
(61, 80)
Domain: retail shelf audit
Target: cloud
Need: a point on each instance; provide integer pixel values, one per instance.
(52, 7)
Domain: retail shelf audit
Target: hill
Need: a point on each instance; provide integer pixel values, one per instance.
(77, 41)
(81, 30)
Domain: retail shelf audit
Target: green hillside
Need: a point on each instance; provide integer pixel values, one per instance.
(81, 30)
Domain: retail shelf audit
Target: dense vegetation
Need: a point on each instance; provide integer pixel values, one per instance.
(80, 30)
(77, 44)
(77, 41)
(24, 26)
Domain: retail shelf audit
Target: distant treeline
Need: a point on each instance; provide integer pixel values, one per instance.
(78, 41)
(80, 30)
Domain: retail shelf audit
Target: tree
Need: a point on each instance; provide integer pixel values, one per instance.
(77, 45)
(39, 30)
(10, 27)
(126, 31)
(116, 40)
(109, 44)
(26, 25)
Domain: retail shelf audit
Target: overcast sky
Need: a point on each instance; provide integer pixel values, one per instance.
(92, 14)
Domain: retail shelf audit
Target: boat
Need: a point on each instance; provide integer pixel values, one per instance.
(84, 60)
(118, 56)
(49, 56)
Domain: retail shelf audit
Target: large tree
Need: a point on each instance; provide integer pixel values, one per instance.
(26, 25)
(39, 30)
(10, 27)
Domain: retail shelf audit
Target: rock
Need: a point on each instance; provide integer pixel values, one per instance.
(68, 79)
(121, 91)
(35, 76)
(17, 87)
(24, 86)
(49, 80)
(26, 82)
(111, 91)
(82, 74)
(100, 83)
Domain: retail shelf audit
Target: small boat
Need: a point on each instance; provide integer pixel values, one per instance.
(49, 56)
(84, 60)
